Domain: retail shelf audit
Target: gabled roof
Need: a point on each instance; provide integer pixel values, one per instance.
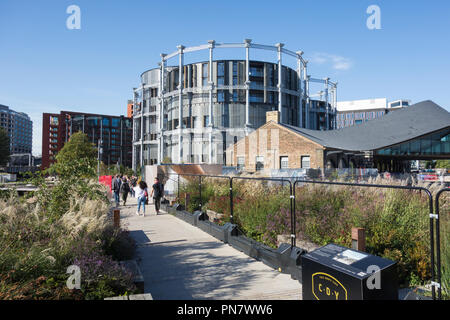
(395, 127)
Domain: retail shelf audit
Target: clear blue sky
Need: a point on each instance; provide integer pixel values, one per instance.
(44, 67)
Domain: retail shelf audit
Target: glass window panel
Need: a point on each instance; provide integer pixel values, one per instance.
(284, 163)
(115, 122)
(425, 145)
(404, 148)
(306, 162)
(415, 147)
(220, 69)
(105, 122)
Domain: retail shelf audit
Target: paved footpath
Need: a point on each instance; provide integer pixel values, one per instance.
(181, 262)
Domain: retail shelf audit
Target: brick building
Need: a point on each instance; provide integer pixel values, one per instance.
(275, 146)
(115, 133)
(419, 132)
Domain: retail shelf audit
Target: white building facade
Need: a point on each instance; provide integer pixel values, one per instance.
(356, 112)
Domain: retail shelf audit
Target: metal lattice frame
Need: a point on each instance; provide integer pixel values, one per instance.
(302, 91)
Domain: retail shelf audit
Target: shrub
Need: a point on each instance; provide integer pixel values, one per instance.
(62, 225)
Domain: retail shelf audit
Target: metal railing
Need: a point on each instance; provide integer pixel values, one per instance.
(435, 256)
(430, 204)
(438, 243)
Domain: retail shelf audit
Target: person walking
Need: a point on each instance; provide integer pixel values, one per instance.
(157, 193)
(141, 195)
(133, 185)
(125, 189)
(116, 184)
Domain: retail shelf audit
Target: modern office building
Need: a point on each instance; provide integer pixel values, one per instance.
(19, 128)
(419, 132)
(113, 133)
(354, 112)
(191, 113)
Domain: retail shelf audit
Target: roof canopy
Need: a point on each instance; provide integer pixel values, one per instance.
(395, 127)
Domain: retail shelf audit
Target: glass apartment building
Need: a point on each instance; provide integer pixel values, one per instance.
(19, 128)
(191, 113)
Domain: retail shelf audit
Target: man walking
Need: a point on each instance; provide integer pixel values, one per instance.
(157, 193)
(133, 185)
(116, 184)
(125, 189)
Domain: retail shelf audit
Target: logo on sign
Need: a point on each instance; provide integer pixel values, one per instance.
(326, 287)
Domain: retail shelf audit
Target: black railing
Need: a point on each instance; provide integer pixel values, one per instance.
(438, 243)
(430, 203)
(434, 218)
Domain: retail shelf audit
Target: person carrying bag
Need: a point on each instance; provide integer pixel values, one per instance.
(157, 194)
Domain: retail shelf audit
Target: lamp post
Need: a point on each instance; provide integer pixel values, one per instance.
(100, 146)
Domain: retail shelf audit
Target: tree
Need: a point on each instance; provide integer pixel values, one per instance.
(76, 167)
(4, 147)
(443, 164)
(78, 158)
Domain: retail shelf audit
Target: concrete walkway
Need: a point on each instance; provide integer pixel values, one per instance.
(181, 262)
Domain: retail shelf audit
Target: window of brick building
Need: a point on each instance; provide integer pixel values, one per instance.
(306, 162)
(284, 162)
(259, 163)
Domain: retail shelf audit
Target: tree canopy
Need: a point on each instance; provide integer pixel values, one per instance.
(77, 158)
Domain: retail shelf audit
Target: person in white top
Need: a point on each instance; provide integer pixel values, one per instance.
(141, 195)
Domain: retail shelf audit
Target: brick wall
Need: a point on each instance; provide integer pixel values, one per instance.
(273, 141)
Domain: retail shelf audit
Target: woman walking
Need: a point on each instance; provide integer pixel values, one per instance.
(141, 195)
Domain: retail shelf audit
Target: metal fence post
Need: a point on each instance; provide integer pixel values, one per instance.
(291, 203)
(200, 189)
(432, 217)
(231, 199)
(438, 241)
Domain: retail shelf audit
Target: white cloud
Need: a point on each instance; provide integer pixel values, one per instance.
(336, 62)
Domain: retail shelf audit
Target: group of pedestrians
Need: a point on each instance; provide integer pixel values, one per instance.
(121, 185)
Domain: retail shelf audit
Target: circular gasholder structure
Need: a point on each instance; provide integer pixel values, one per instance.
(191, 113)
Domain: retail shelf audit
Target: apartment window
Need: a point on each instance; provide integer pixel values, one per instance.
(256, 97)
(284, 162)
(54, 121)
(306, 162)
(235, 73)
(235, 96)
(197, 122)
(221, 73)
(105, 122)
(115, 122)
(259, 163)
(220, 96)
(204, 74)
(205, 121)
(256, 71)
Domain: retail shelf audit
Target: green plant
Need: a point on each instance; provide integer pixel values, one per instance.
(61, 225)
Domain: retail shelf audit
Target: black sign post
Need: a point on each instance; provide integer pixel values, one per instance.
(334, 272)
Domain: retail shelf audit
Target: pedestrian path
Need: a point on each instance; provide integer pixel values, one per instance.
(181, 262)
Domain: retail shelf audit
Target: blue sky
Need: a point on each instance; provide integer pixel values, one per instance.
(45, 67)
